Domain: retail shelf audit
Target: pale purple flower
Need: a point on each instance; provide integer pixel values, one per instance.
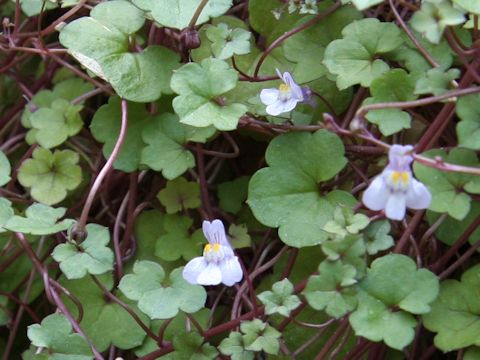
(218, 263)
(395, 189)
(283, 99)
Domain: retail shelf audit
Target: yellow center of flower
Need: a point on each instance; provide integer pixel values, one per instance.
(213, 253)
(208, 248)
(402, 176)
(284, 88)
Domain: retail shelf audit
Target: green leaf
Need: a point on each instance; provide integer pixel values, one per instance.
(394, 85)
(260, 336)
(105, 128)
(165, 152)
(105, 322)
(5, 169)
(346, 222)
(4, 315)
(470, 6)
(39, 220)
(239, 237)
(377, 238)
(101, 44)
(6, 212)
(33, 7)
(227, 42)
(178, 13)
(331, 290)
(454, 315)
(50, 175)
(433, 17)
(180, 194)
(157, 301)
(53, 125)
(349, 250)
(472, 353)
(281, 299)
(436, 81)
(92, 256)
(178, 241)
(287, 194)
(191, 346)
(200, 87)
(392, 289)
(468, 130)
(55, 334)
(353, 58)
(232, 194)
(450, 190)
(234, 346)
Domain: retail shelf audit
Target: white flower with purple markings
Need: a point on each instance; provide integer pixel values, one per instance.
(218, 263)
(395, 189)
(285, 98)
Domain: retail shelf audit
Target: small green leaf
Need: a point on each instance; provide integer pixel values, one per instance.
(178, 13)
(33, 7)
(178, 241)
(468, 130)
(470, 6)
(200, 87)
(331, 290)
(449, 189)
(50, 175)
(55, 334)
(394, 85)
(6, 212)
(454, 315)
(436, 81)
(260, 336)
(180, 194)
(287, 194)
(232, 194)
(91, 256)
(392, 289)
(377, 238)
(239, 237)
(191, 346)
(39, 220)
(105, 128)
(165, 152)
(346, 222)
(5, 169)
(353, 58)
(157, 301)
(227, 42)
(433, 17)
(365, 4)
(53, 125)
(281, 299)
(234, 346)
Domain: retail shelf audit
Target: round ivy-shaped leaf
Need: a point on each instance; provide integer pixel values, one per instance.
(234, 347)
(39, 220)
(50, 175)
(392, 289)
(260, 336)
(455, 313)
(353, 58)
(281, 299)
(156, 300)
(179, 195)
(226, 42)
(92, 256)
(377, 238)
(468, 130)
(55, 334)
(200, 87)
(178, 13)
(5, 169)
(191, 346)
(287, 194)
(6, 212)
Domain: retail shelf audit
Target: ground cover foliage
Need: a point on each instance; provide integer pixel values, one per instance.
(125, 124)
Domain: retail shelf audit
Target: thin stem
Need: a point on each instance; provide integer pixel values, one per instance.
(80, 227)
(196, 15)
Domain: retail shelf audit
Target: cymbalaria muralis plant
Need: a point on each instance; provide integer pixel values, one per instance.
(239, 179)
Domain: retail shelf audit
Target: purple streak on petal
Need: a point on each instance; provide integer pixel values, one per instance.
(398, 158)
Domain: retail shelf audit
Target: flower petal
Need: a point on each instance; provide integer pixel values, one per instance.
(193, 269)
(279, 74)
(215, 232)
(211, 275)
(398, 158)
(295, 88)
(418, 196)
(280, 107)
(376, 195)
(269, 96)
(396, 206)
(231, 271)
